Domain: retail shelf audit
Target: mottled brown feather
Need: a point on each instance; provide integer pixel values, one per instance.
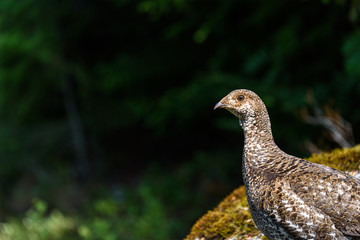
(289, 197)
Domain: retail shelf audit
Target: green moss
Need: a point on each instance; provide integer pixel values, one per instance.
(232, 218)
(346, 159)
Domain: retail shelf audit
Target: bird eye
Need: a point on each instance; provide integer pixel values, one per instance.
(240, 98)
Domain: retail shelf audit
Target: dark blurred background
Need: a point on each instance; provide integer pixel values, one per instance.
(107, 128)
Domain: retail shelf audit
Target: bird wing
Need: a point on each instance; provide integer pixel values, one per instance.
(293, 217)
(334, 193)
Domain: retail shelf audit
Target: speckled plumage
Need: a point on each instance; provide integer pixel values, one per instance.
(289, 197)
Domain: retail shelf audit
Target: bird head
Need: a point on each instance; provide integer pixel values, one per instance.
(242, 103)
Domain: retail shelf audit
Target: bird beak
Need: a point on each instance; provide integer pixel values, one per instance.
(219, 105)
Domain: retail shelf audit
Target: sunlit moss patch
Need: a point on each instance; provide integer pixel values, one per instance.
(346, 159)
(230, 219)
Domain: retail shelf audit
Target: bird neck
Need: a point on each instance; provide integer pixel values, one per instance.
(257, 129)
(259, 143)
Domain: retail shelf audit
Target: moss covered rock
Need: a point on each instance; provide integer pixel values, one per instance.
(231, 219)
(346, 159)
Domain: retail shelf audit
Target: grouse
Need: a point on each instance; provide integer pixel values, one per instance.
(289, 197)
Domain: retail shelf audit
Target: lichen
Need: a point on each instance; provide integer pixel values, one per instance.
(231, 219)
